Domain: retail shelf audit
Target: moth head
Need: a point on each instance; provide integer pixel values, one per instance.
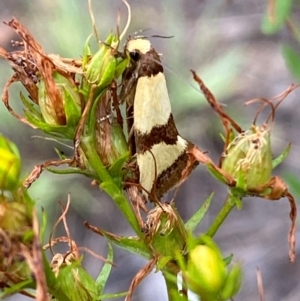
(138, 47)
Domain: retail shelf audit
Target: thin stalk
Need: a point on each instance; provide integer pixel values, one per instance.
(227, 207)
(171, 286)
(87, 145)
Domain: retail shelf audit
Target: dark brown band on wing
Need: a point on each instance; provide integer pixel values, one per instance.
(165, 133)
(171, 176)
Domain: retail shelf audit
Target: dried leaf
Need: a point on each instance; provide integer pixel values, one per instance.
(139, 277)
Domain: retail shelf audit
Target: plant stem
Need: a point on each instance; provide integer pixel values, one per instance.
(107, 182)
(171, 286)
(227, 207)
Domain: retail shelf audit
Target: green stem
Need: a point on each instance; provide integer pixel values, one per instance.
(107, 182)
(171, 286)
(228, 206)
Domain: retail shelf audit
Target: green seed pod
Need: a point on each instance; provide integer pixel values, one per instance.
(10, 164)
(63, 109)
(206, 272)
(249, 158)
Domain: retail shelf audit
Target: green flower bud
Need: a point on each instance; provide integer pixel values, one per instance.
(15, 218)
(105, 66)
(248, 158)
(206, 272)
(101, 68)
(10, 164)
(60, 104)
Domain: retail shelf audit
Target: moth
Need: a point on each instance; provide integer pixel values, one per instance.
(160, 150)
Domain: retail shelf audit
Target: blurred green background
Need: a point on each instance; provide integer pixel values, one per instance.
(223, 42)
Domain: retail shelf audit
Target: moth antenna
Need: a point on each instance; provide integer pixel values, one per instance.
(128, 20)
(93, 21)
(163, 37)
(177, 75)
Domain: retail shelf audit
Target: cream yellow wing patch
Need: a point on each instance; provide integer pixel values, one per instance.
(165, 155)
(151, 103)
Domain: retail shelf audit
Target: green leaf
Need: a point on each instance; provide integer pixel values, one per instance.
(55, 131)
(30, 107)
(292, 60)
(131, 244)
(281, 13)
(115, 169)
(72, 171)
(105, 272)
(8, 291)
(112, 296)
(216, 174)
(121, 66)
(281, 157)
(162, 262)
(294, 184)
(194, 221)
(228, 259)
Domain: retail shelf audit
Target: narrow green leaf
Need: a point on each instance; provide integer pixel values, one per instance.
(162, 262)
(281, 157)
(112, 296)
(105, 271)
(216, 174)
(281, 13)
(228, 259)
(131, 244)
(30, 107)
(8, 291)
(60, 154)
(294, 184)
(72, 171)
(115, 170)
(194, 221)
(292, 60)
